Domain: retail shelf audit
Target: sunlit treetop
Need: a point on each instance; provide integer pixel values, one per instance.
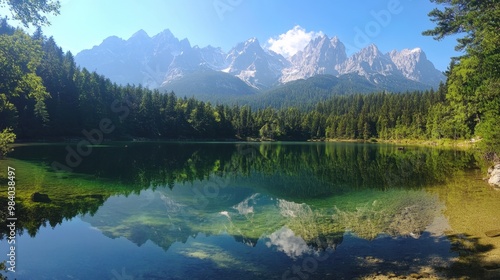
(474, 18)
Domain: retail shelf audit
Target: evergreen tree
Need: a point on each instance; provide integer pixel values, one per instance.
(474, 78)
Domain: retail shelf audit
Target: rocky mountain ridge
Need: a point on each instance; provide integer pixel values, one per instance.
(163, 59)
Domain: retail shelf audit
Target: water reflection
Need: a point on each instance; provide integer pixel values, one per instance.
(166, 216)
(287, 202)
(211, 177)
(286, 241)
(405, 213)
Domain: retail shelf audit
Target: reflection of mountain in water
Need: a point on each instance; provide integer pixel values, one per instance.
(166, 216)
(316, 175)
(315, 227)
(406, 213)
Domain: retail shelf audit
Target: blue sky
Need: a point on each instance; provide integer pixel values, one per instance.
(390, 24)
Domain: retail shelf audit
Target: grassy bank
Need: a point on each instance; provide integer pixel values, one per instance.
(440, 143)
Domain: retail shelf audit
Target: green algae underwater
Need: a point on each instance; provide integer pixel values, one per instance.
(173, 210)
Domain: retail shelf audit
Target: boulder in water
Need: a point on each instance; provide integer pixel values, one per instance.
(40, 197)
(494, 173)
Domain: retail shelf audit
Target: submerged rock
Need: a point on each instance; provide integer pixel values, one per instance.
(494, 169)
(494, 173)
(40, 197)
(495, 181)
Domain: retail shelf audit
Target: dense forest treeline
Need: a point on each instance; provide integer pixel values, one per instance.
(45, 95)
(71, 100)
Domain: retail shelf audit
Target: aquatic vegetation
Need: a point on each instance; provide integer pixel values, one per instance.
(294, 202)
(396, 213)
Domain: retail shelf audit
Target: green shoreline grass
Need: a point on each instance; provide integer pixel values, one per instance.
(440, 143)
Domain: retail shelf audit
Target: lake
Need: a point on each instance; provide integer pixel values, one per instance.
(172, 210)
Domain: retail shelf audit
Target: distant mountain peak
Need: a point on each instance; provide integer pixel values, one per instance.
(111, 41)
(253, 40)
(335, 40)
(210, 47)
(257, 67)
(416, 50)
(163, 58)
(185, 43)
(140, 34)
(252, 43)
(414, 65)
(321, 37)
(320, 56)
(372, 48)
(165, 33)
(165, 37)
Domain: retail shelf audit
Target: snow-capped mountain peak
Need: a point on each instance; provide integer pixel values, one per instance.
(369, 62)
(257, 67)
(320, 56)
(335, 40)
(252, 40)
(161, 59)
(414, 65)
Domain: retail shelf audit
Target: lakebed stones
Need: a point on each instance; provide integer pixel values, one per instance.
(40, 197)
(494, 173)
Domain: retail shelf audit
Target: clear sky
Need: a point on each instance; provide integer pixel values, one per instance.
(390, 24)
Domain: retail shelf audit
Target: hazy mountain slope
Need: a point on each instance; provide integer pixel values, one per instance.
(306, 92)
(209, 85)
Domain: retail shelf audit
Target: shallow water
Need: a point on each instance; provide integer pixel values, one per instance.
(237, 211)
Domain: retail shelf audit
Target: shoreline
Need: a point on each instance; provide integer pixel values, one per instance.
(432, 143)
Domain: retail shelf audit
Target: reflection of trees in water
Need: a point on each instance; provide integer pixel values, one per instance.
(141, 165)
(308, 171)
(292, 171)
(31, 216)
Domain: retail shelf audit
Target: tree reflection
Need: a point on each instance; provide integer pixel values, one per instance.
(296, 172)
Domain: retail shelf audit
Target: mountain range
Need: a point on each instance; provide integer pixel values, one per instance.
(163, 61)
